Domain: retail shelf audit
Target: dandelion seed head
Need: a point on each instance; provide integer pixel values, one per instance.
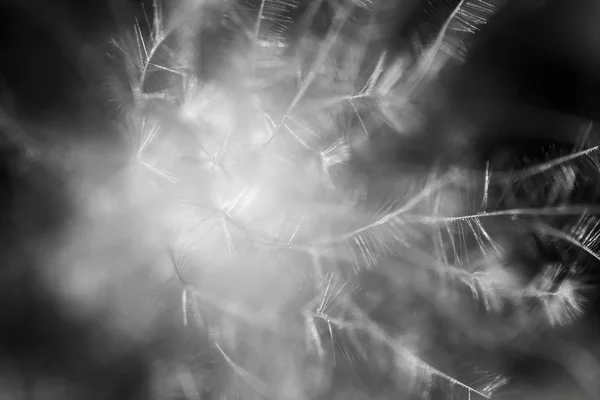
(263, 202)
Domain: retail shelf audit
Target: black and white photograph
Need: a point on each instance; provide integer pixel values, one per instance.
(299, 200)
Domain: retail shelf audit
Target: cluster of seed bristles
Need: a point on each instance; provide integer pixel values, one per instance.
(274, 224)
